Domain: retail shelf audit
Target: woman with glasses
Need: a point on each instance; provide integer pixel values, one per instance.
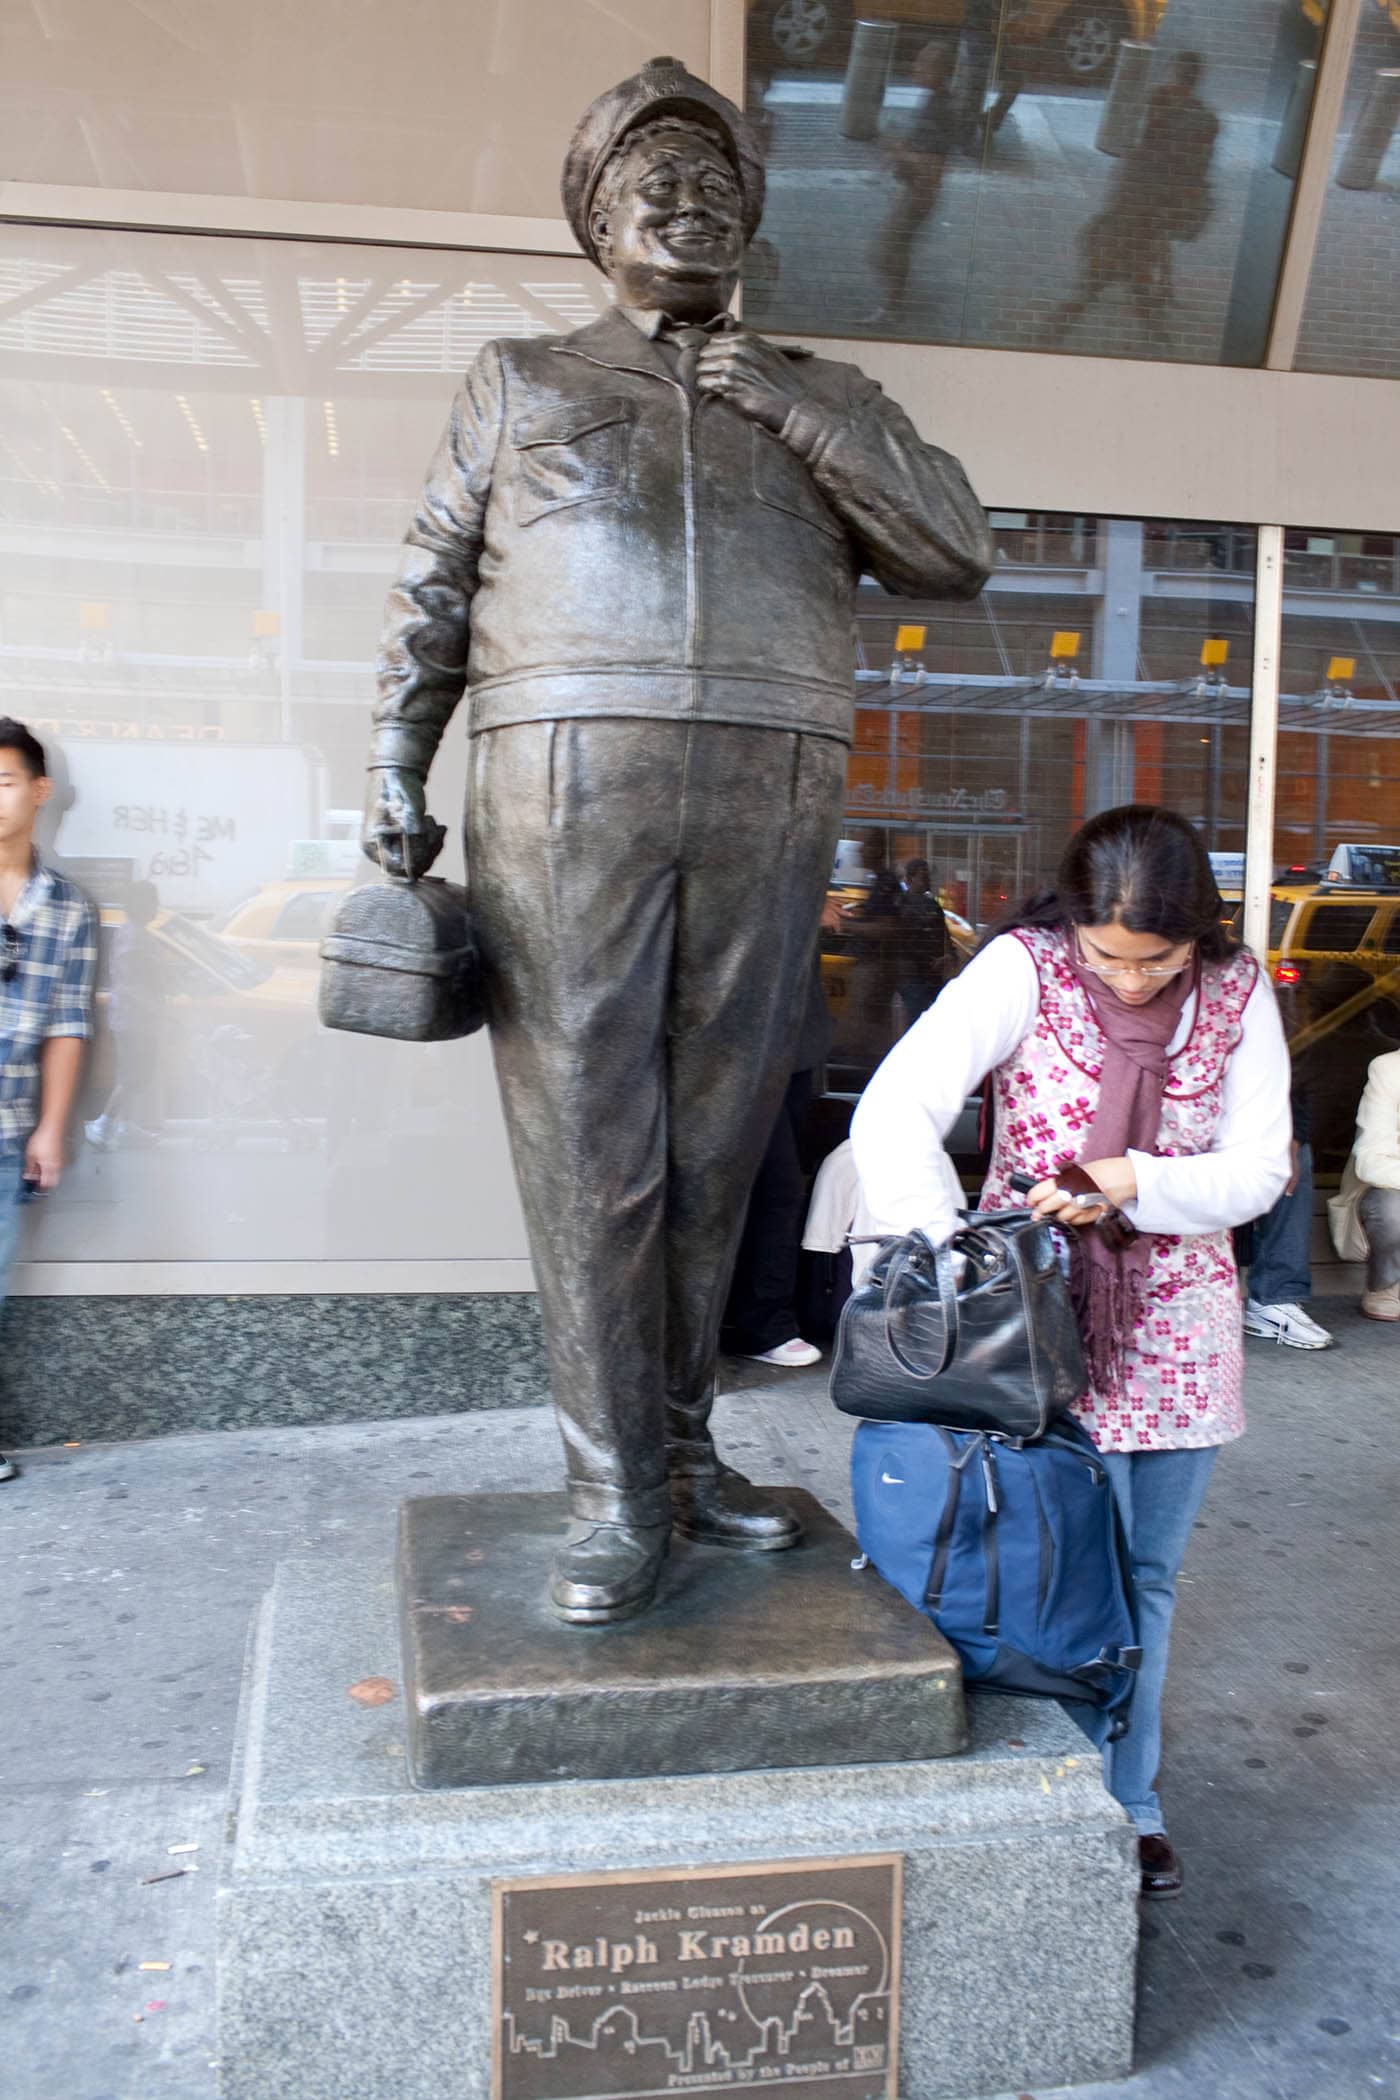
(1136, 1062)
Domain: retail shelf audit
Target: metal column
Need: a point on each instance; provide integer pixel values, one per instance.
(1263, 738)
(1109, 746)
(867, 75)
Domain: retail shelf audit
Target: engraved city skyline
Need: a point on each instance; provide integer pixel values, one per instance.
(703, 2048)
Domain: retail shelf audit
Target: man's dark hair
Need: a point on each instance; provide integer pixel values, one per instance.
(15, 737)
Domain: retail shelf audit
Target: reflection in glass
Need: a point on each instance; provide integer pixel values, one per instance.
(1111, 177)
(1351, 320)
(1335, 931)
(209, 451)
(1107, 661)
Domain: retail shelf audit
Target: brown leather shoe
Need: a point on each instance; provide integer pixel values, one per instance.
(720, 1508)
(1161, 1869)
(604, 1572)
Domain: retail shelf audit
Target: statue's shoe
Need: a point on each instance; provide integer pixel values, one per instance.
(607, 1571)
(720, 1508)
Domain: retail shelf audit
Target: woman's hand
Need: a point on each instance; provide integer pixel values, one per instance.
(1114, 1177)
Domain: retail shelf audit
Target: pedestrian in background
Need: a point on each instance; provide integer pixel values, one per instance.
(48, 954)
(1278, 1252)
(918, 160)
(1365, 1212)
(925, 951)
(1161, 194)
(760, 1316)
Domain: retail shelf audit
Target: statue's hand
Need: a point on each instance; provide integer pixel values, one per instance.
(398, 834)
(754, 377)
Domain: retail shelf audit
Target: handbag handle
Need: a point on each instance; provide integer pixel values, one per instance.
(941, 1261)
(989, 1225)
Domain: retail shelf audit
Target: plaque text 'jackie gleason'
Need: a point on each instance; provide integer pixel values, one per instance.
(619, 1986)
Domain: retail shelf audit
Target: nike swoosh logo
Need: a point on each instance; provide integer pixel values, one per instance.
(891, 1481)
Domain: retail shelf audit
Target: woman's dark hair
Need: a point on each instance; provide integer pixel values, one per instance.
(1140, 867)
(25, 745)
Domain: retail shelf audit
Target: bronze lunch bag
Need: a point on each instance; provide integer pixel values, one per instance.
(401, 960)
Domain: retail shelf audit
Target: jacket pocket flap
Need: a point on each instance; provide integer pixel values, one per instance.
(567, 421)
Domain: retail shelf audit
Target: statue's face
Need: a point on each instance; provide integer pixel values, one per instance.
(672, 234)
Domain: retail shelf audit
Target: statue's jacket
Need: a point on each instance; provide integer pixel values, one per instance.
(593, 541)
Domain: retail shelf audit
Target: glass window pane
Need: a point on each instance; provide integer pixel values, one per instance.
(209, 451)
(1337, 830)
(1351, 321)
(1111, 177)
(1107, 661)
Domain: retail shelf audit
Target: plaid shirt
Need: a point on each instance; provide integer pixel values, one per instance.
(50, 993)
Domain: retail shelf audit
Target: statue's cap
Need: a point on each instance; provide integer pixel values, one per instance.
(663, 88)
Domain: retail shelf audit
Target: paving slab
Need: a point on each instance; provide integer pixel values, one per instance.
(131, 1571)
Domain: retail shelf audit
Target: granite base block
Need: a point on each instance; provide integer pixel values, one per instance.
(84, 1369)
(355, 1911)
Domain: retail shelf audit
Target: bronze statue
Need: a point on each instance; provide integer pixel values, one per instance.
(637, 550)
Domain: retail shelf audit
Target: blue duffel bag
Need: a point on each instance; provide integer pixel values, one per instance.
(1013, 1549)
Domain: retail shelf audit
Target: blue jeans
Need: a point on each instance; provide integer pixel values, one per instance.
(1279, 1273)
(1159, 1494)
(11, 1174)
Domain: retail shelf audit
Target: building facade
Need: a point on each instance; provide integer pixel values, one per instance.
(1153, 303)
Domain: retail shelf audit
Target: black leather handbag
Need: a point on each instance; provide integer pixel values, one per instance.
(400, 960)
(997, 1349)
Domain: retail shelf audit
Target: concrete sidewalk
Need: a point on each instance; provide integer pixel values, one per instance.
(131, 1571)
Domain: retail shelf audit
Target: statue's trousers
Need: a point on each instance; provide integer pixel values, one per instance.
(646, 895)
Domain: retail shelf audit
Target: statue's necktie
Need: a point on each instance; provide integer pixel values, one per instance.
(689, 343)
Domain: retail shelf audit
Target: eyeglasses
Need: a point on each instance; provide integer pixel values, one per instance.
(1111, 972)
(9, 968)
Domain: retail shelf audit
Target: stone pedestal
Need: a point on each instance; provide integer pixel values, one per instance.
(356, 1956)
(745, 1660)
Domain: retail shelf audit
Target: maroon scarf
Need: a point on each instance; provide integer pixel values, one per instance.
(1110, 1284)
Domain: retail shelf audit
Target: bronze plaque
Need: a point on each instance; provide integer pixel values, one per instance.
(619, 1986)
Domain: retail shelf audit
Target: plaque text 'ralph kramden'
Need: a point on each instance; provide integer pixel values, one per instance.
(619, 1986)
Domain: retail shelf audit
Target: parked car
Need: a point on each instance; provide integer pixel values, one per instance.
(1063, 39)
(1371, 865)
(282, 923)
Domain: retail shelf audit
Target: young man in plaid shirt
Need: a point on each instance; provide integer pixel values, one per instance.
(48, 953)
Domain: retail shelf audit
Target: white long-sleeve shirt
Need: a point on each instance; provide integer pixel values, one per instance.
(918, 1092)
(1377, 1154)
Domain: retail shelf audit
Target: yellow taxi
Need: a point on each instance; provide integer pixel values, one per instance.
(1316, 10)
(1334, 957)
(235, 1036)
(281, 923)
(1076, 39)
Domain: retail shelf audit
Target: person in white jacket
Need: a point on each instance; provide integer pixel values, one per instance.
(1366, 1209)
(1123, 1033)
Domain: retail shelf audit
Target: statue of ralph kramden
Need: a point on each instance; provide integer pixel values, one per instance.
(636, 551)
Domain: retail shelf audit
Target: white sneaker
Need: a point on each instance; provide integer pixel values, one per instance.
(791, 1355)
(1288, 1324)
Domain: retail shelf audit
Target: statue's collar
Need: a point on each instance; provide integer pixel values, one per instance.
(625, 337)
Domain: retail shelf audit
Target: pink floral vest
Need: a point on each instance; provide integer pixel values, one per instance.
(1181, 1386)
